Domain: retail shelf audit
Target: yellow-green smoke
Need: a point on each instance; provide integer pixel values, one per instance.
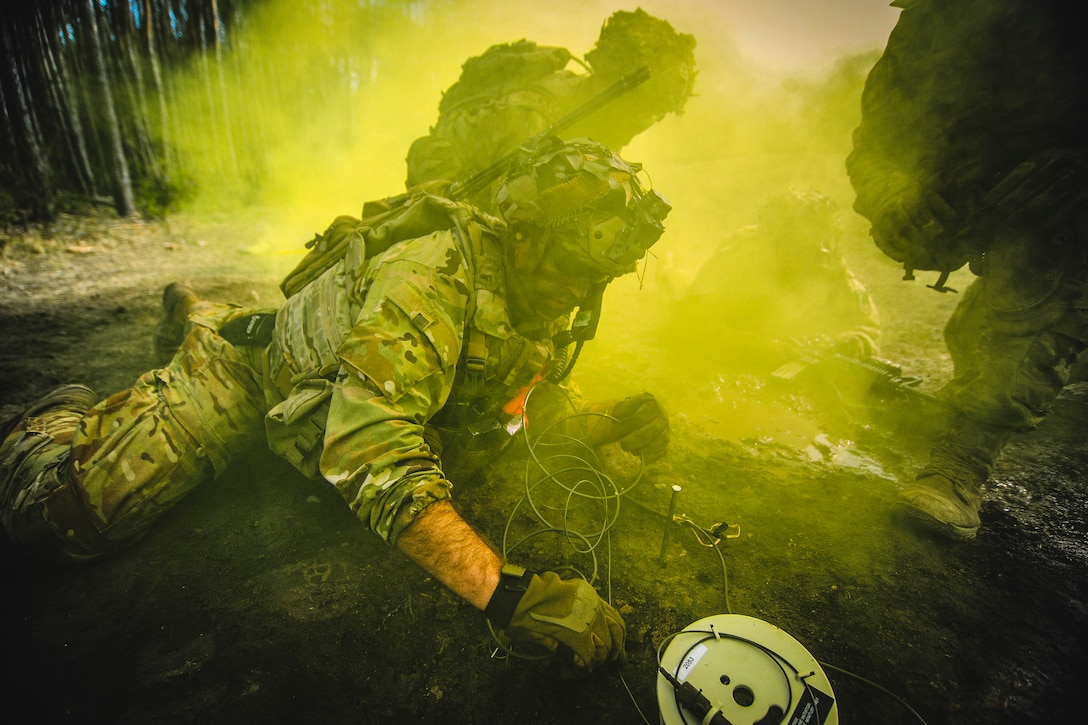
(324, 99)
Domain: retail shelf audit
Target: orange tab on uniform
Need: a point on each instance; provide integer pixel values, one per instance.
(516, 405)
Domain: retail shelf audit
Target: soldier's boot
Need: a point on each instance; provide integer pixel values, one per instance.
(178, 301)
(35, 467)
(947, 494)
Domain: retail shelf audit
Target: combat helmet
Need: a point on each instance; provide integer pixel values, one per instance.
(584, 189)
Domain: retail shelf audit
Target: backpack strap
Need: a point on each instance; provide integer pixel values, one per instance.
(329, 247)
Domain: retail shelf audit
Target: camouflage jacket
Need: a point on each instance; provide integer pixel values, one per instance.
(376, 352)
(964, 92)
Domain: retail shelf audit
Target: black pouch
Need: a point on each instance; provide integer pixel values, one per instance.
(254, 330)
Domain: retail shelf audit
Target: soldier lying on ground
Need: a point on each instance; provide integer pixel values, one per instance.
(368, 377)
(781, 287)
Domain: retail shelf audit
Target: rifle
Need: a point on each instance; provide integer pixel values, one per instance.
(327, 249)
(477, 182)
(872, 381)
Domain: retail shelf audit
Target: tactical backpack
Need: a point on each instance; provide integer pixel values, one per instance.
(502, 69)
(378, 233)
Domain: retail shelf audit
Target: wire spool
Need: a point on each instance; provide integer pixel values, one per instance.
(748, 671)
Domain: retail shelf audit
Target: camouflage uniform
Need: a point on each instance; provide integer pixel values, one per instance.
(972, 148)
(515, 91)
(368, 366)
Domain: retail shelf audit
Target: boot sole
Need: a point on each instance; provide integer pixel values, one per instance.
(935, 525)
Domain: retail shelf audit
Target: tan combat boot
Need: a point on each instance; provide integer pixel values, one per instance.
(178, 300)
(947, 494)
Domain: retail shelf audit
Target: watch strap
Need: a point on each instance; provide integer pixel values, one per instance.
(513, 581)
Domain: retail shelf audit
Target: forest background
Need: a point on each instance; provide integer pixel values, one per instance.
(307, 108)
(278, 116)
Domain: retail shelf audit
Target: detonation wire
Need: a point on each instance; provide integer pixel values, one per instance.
(566, 465)
(581, 482)
(885, 690)
(549, 453)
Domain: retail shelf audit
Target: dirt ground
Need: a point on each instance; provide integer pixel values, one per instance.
(261, 599)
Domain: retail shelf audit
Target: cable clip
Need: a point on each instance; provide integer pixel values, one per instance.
(731, 531)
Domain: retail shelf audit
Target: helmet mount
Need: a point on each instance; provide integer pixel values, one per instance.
(583, 188)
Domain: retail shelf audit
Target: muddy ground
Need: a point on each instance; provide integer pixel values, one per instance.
(261, 599)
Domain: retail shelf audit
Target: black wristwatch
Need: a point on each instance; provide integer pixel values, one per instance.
(513, 582)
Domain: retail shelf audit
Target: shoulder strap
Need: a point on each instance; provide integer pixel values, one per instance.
(325, 250)
(384, 223)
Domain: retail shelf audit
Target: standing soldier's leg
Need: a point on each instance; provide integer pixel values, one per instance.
(1013, 339)
(80, 481)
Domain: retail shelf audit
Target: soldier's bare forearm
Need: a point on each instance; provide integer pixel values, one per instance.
(450, 550)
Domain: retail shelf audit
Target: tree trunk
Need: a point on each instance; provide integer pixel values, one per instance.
(224, 105)
(34, 165)
(156, 74)
(122, 183)
(129, 62)
(56, 69)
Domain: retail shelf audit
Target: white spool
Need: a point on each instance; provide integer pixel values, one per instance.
(749, 670)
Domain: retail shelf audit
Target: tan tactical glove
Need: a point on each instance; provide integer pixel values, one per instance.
(554, 612)
(641, 426)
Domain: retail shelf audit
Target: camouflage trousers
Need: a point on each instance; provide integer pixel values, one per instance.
(1017, 333)
(78, 487)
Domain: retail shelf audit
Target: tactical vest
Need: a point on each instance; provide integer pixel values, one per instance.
(495, 360)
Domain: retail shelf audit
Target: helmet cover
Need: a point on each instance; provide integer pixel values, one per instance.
(584, 190)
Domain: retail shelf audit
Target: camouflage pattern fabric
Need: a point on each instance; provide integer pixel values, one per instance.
(140, 451)
(383, 358)
(35, 471)
(964, 94)
(104, 477)
(1018, 330)
(397, 370)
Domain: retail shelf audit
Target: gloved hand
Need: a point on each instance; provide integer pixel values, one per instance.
(554, 611)
(916, 226)
(639, 423)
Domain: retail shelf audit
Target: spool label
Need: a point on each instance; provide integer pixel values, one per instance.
(690, 661)
(813, 707)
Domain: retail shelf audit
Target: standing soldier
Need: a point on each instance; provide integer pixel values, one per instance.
(972, 150)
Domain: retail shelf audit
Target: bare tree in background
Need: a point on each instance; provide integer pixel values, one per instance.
(99, 97)
(122, 183)
(156, 75)
(49, 17)
(24, 127)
